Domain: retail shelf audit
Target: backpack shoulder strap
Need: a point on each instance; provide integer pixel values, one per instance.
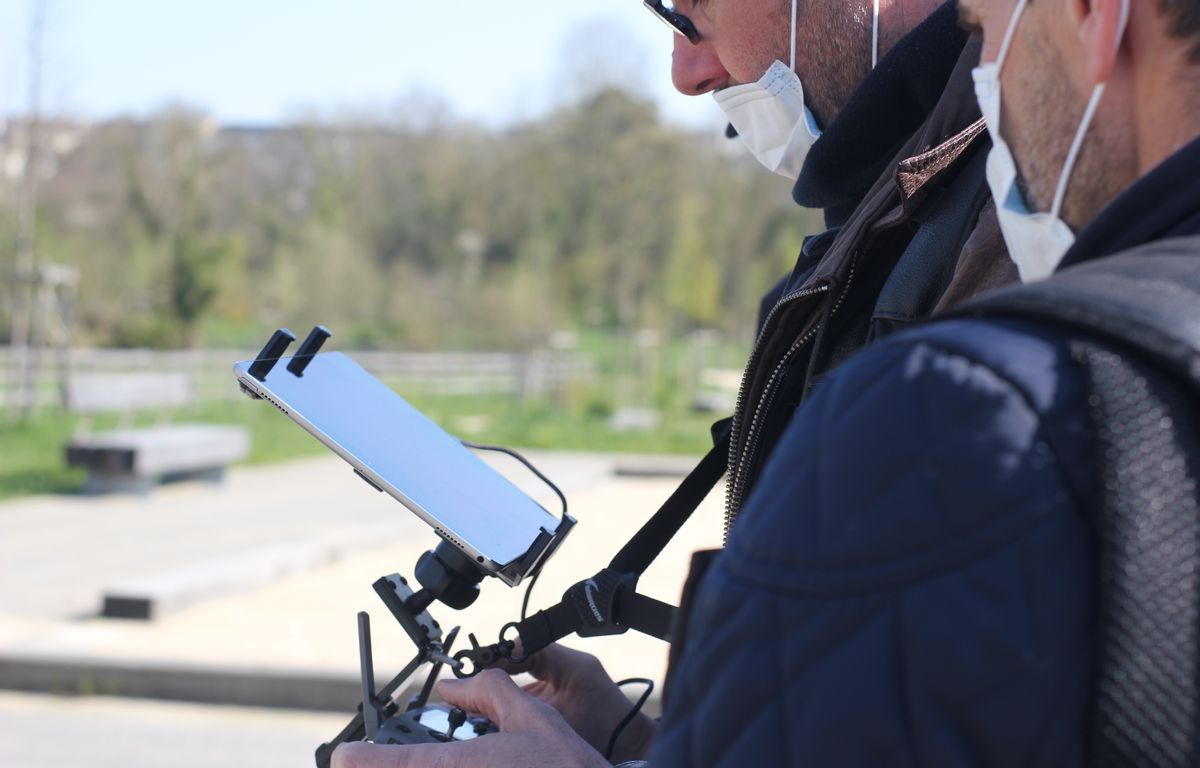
(1146, 299)
(1134, 319)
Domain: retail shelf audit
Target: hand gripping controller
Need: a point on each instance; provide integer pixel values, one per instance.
(382, 718)
(430, 724)
(436, 723)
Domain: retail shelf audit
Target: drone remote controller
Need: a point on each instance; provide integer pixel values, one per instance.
(420, 724)
(436, 723)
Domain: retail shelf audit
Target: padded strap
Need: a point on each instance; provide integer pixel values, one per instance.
(1146, 299)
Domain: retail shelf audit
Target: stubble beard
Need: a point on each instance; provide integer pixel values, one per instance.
(838, 51)
(1040, 113)
(1107, 163)
(1045, 134)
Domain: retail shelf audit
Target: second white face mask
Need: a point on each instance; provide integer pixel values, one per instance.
(772, 120)
(1037, 241)
(771, 117)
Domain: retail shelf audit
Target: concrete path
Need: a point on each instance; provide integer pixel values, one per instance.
(55, 732)
(261, 578)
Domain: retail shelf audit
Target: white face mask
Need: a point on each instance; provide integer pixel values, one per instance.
(1036, 241)
(770, 116)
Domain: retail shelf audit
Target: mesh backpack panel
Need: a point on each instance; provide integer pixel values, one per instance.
(1134, 319)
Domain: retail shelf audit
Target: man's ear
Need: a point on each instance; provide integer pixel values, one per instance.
(1100, 27)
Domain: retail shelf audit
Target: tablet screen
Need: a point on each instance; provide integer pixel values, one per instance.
(399, 449)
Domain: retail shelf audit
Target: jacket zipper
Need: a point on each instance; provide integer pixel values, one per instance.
(736, 466)
(733, 499)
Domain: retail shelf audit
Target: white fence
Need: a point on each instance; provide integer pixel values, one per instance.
(537, 374)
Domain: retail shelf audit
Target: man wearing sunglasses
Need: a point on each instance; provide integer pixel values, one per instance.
(869, 106)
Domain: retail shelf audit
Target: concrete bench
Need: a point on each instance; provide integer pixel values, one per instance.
(135, 459)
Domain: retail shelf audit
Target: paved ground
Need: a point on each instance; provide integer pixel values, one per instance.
(55, 732)
(63, 550)
(265, 575)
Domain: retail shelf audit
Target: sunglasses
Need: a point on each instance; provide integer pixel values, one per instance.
(676, 21)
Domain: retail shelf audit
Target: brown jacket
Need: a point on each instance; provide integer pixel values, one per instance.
(923, 239)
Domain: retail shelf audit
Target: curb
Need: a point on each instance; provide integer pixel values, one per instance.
(198, 684)
(175, 590)
(251, 687)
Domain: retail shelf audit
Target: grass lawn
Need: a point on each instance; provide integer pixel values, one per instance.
(32, 460)
(31, 457)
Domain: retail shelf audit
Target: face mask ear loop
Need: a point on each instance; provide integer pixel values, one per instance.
(1076, 145)
(1122, 23)
(875, 37)
(1009, 34)
(794, 35)
(1085, 123)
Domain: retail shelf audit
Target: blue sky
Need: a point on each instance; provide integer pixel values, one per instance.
(263, 61)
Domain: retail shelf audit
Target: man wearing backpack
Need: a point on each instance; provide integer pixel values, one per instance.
(935, 567)
(959, 552)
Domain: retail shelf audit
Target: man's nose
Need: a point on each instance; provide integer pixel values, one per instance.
(695, 68)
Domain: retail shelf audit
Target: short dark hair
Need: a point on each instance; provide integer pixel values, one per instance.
(1184, 16)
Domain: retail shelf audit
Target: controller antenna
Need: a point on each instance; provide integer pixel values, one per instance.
(372, 712)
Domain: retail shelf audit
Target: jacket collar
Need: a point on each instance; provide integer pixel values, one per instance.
(880, 117)
(1163, 203)
(951, 132)
(942, 140)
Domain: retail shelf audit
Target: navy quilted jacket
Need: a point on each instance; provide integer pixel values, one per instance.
(910, 582)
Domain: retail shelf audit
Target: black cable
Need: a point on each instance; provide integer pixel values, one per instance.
(526, 462)
(528, 465)
(641, 702)
(529, 591)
